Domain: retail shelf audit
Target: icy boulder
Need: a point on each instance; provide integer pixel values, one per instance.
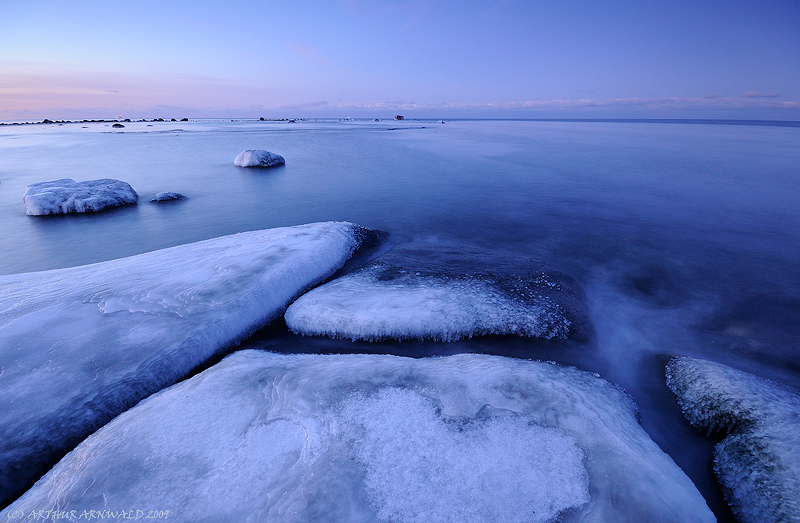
(364, 438)
(258, 158)
(80, 345)
(167, 197)
(66, 195)
(758, 463)
(425, 292)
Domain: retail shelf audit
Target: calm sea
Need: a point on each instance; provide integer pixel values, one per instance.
(685, 236)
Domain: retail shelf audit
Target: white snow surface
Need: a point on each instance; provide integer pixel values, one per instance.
(362, 438)
(258, 158)
(409, 293)
(66, 195)
(758, 463)
(80, 345)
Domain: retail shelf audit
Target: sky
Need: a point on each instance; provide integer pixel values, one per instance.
(374, 58)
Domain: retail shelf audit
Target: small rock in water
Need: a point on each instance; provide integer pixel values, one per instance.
(118, 125)
(66, 196)
(258, 158)
(167, 197)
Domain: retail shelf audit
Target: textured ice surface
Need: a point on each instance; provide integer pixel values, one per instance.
(358, 438)
(758, 463)
(419, 291)
(80, 345)
(167, 197)
(66, 196)
(257, 158)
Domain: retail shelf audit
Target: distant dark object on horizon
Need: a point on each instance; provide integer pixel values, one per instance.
(399, 117)
(118, 125)
(184, 119)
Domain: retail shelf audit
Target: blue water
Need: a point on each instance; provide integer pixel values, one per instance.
(684, 236)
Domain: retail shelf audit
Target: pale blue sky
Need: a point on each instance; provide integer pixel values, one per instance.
(504, 59)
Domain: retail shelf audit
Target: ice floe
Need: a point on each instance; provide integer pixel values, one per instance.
(362, 438)
(258, 158)
(167, 197)
(758, 463)
(66, 195)
(80, 345)
(418, 292)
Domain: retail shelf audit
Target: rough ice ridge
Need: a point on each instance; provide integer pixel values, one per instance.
(80, 345)
(364, 438)
(758, 463)
(66, 195)
(258, 158)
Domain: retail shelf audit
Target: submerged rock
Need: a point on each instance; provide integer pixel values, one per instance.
(78, 346)
(423, 291)
(758, 462)
(167, 197)
(306, 438)
(66, 196)
(258, 158)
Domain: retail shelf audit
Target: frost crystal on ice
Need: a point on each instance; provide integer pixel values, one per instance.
(66, 195)
(758, 463)
(365, 438)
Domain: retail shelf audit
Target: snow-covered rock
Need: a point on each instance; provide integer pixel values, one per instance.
(66, 195)
(257, 158)
(80, 345)
(418, 292)
(363, 438)
(167, 197)
(758, 463)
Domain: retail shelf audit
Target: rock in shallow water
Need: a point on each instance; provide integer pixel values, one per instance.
(258, 158)
(80, 345)
(167, 197)
(419, 291)
(758, 463)
(66, 196)
(352, 438)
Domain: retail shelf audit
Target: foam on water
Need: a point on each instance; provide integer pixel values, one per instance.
(269, 437)
(81, 345)
(66, 195)
(757, 463)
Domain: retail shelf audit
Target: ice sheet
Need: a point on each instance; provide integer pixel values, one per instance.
(356, 438)
(80, 345)
(758, 463)
(258, 158)
(66, 195)
(417, 292)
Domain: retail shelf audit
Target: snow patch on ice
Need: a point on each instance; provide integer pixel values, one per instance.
(258, 158)
(404, 296)
(358, 438)
(758, 463)
(66, 196)
(80, 345)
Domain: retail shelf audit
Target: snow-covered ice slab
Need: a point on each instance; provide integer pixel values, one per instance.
(66, 195)
(363, 438)
(80, 345)
(420, 291)
(758, 463)
(258, 158)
